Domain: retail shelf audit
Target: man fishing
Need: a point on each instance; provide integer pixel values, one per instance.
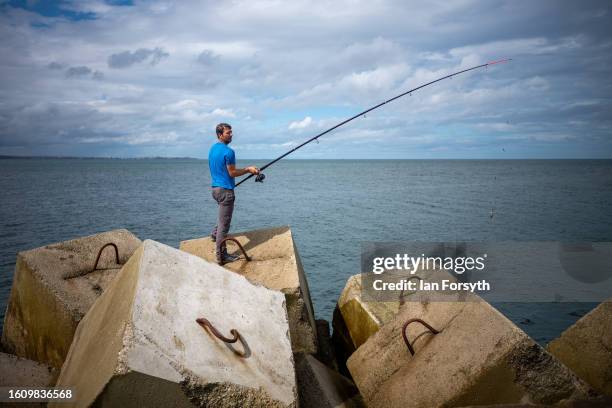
(260, 176)
(222, 164)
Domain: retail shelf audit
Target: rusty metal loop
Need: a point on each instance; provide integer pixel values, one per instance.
(401, 296)
(206, 324)
(239, 246)
(431, 329)
(100, 254)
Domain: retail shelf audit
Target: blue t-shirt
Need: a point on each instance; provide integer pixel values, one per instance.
(219, 156)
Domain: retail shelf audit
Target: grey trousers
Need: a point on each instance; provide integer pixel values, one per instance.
(225, 198)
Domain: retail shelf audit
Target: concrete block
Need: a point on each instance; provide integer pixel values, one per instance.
(21, 372)
(140, 345)
(17, 372)
(321, 387)
(586, 348)
(478, 358)
(275, 263)
(326, 351)
(599, 401)
(53, 287)
(355, 320)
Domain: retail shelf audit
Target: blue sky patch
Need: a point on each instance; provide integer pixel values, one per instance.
(52, 9)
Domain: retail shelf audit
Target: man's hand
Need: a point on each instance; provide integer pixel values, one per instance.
(234, 172)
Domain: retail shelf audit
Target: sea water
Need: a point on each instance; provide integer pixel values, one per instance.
(332, 207)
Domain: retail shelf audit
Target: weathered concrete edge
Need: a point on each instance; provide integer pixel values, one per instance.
(568, 348)
(305, 292)
(109, 358)
(51, 350)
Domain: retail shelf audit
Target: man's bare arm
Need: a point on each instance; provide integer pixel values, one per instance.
(234, 172)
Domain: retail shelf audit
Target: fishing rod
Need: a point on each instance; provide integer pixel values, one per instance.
(260, 177)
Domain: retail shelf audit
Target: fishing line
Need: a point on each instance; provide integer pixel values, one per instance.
(260, 177)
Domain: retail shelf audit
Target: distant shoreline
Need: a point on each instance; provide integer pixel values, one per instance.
(7, 157)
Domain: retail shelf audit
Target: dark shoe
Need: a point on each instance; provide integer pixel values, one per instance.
(227, 258)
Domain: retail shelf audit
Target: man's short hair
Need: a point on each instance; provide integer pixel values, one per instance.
(221, 127)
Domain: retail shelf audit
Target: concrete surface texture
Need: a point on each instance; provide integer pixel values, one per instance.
(599, 401)
(479, 358)
(356, 319)
(326, 351)
(140, 345)
(21, 372)
(53, 287)
(586, 348)
(18, 373)
(275, 263)
(322, 387)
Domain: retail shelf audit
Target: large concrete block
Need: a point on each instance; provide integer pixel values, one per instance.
(321, 387)
(478, 358)
(19, 373)
(53, 287)
(326, 351)
(140, 345)
(586, 348)
(355, 319)
(275, 263)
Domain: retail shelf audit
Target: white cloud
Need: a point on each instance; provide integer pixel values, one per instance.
(302, 124)
(223, 113)
(378, 79)
(541, 137)
(537, 83)
(496, 126)
(516, 47)
(182, 105)
(153, 138)
(258, 63)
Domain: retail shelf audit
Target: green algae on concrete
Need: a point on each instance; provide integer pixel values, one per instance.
(586, 348)
(361, 319)
(275, 263)
(53, 287)
(140, 345)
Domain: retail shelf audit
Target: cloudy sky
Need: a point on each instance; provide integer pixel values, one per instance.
(153, 78)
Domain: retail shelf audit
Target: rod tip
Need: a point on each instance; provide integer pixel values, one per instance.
(501, 61)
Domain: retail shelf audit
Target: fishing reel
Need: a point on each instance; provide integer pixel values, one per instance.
(260, 178)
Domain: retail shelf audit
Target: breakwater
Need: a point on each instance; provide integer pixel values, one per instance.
(146, 323)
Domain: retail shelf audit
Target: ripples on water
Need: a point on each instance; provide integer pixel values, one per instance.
(331, 206)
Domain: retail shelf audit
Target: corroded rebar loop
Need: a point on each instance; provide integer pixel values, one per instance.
(208, 325)
(401, 295)
(100, 254)
(431, 329)
(239, 246)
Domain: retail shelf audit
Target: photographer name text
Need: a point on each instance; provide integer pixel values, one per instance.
(444, 285)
